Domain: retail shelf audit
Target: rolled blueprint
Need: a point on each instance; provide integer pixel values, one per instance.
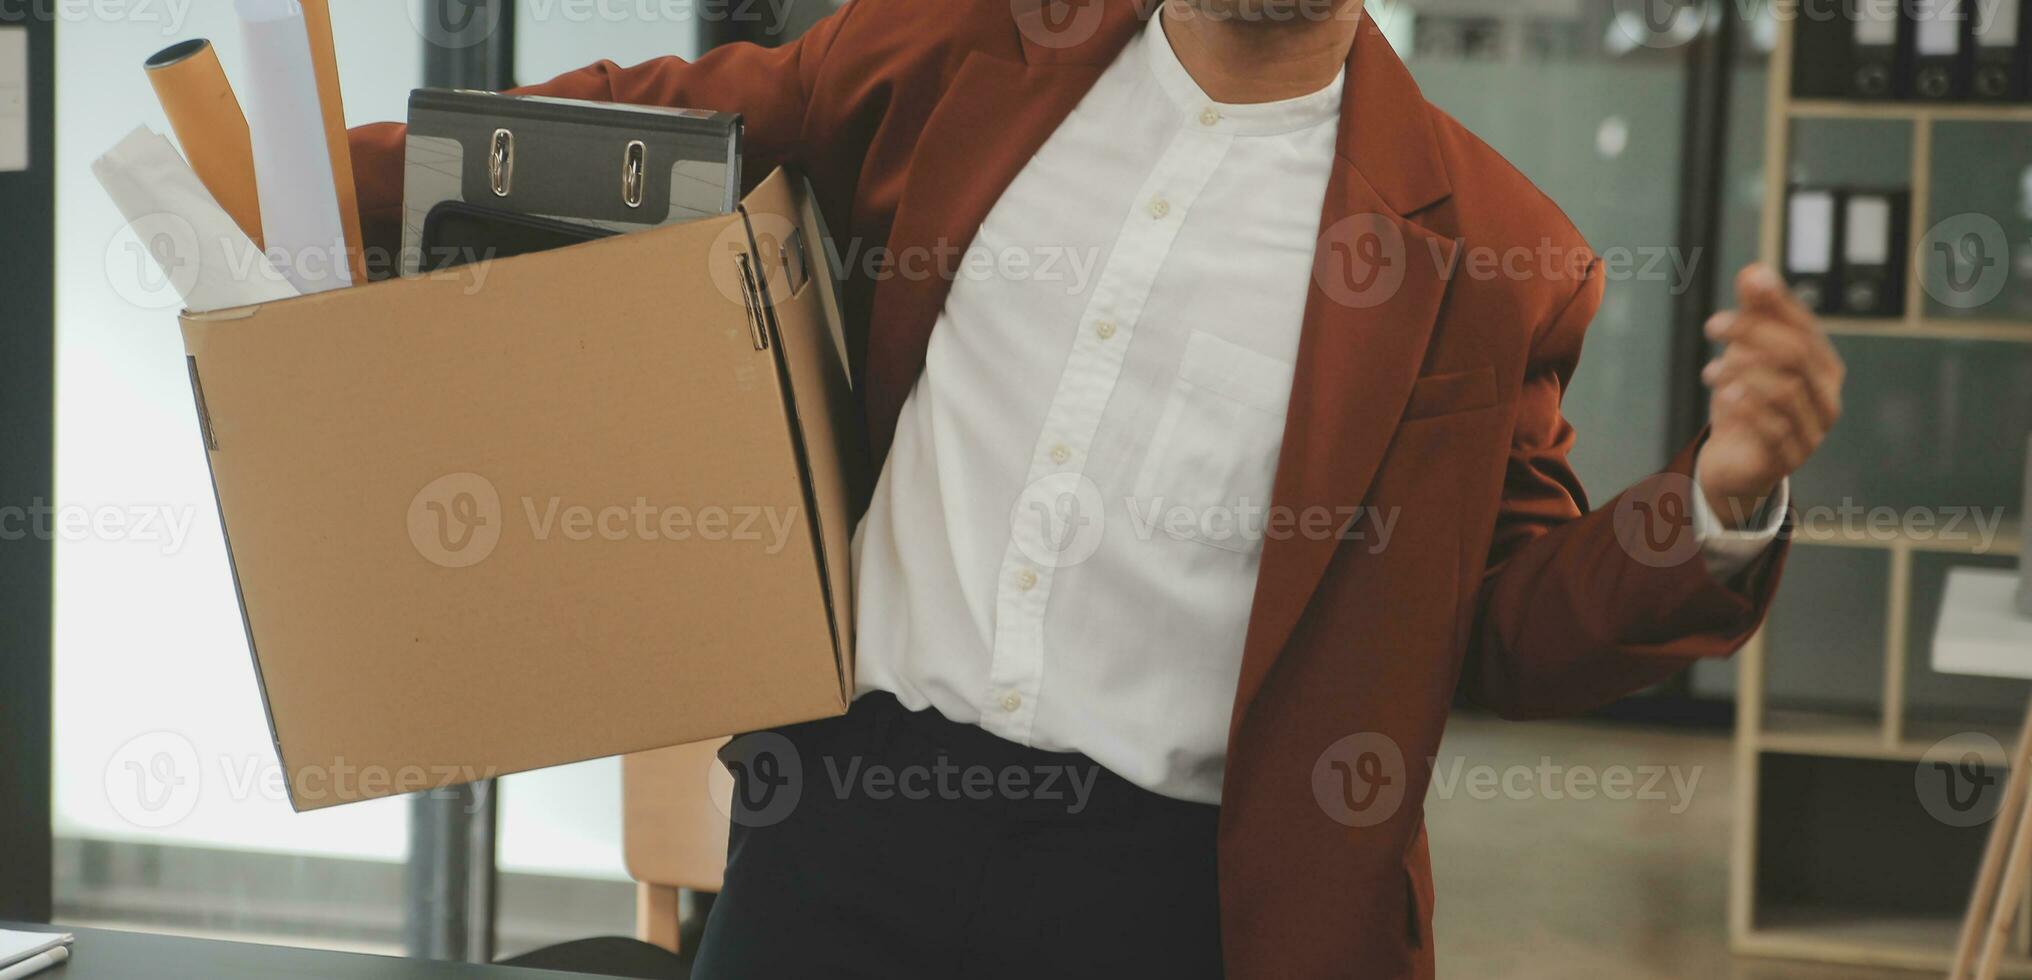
(324, 57)
(202, 252)
(292, 165)
(208, 123)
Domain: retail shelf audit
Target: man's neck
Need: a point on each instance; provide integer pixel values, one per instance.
(1239, 59)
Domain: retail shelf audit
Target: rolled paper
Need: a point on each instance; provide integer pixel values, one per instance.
(317, 20)
(206, 118)
(300, 219)
(200, 249)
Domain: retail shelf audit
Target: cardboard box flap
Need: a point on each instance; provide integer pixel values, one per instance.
(800, 297)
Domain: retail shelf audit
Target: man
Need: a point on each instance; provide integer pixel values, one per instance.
(1185, 556)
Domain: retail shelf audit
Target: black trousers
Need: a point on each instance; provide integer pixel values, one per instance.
(896, 844)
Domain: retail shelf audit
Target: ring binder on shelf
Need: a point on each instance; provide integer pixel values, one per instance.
(1939, 62)
(1873, 256)
(1846, 50)
(1873, 54)
(1810, 234)
(1999, 70)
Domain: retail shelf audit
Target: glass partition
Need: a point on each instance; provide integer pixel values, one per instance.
(168, 799)
(1588, 103)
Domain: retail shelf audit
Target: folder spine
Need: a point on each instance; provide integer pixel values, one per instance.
(1874, 257)
(1999, 51)
(1812, 220)
(1940, 32)
(1876, 35)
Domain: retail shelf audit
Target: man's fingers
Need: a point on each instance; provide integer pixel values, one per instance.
(1779, 408)
(1762, 329)
(1822, 385)
(1759, 289)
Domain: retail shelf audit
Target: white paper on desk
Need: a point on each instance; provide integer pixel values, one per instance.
(292, 164)
(18, 946)
(201, 250)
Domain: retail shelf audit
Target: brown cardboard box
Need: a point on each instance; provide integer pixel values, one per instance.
(539, 510)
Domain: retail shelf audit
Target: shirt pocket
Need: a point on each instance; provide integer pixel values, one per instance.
(1213, 457)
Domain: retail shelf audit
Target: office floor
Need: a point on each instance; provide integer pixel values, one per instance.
(1535, 885)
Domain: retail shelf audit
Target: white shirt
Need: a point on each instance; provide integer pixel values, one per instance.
(1063, 544)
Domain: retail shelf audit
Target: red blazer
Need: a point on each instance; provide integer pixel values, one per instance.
(1429, 378)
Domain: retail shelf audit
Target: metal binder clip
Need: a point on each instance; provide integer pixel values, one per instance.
(633, 163)
(501, 162)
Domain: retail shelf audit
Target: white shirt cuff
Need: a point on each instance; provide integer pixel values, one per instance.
(1728, 552)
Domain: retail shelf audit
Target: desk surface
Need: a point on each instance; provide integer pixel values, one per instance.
(104, 954)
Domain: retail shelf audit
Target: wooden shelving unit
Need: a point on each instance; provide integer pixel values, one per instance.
(1829, 932)
(1932, 328)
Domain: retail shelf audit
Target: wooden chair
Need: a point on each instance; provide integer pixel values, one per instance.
(674, 806)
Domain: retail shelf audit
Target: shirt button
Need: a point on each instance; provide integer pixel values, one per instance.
(1026, 580)
(1208, 116)
(1059, 454)
(1104, 329)
(1159, 207)
(1011, 701)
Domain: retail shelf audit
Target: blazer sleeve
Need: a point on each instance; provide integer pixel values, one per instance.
(1579, 608)
(770, 87)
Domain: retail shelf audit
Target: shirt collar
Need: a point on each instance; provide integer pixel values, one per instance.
(1244, 119)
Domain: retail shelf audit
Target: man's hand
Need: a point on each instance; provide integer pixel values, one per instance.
(1777, 392)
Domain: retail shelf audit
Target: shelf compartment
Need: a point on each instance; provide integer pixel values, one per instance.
(1839, 735)
(1932, 328)
(1910, 111)
(1861, 937)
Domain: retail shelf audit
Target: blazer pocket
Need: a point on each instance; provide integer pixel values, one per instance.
(1437, 395)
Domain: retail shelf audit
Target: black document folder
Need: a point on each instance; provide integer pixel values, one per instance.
(1847, 50)
(456, 233)
(1940, 32)
(1873, 30)
(1998, 72)
(1811, 219)
(623, 168)
(1873, 253)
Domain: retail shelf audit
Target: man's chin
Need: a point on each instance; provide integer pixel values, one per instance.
(1266, 12)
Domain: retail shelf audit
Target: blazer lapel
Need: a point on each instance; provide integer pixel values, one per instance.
(1379, 282)
(993, 118)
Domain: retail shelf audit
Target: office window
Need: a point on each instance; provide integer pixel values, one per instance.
(169, 813)
(561, 873)
(554, 38)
